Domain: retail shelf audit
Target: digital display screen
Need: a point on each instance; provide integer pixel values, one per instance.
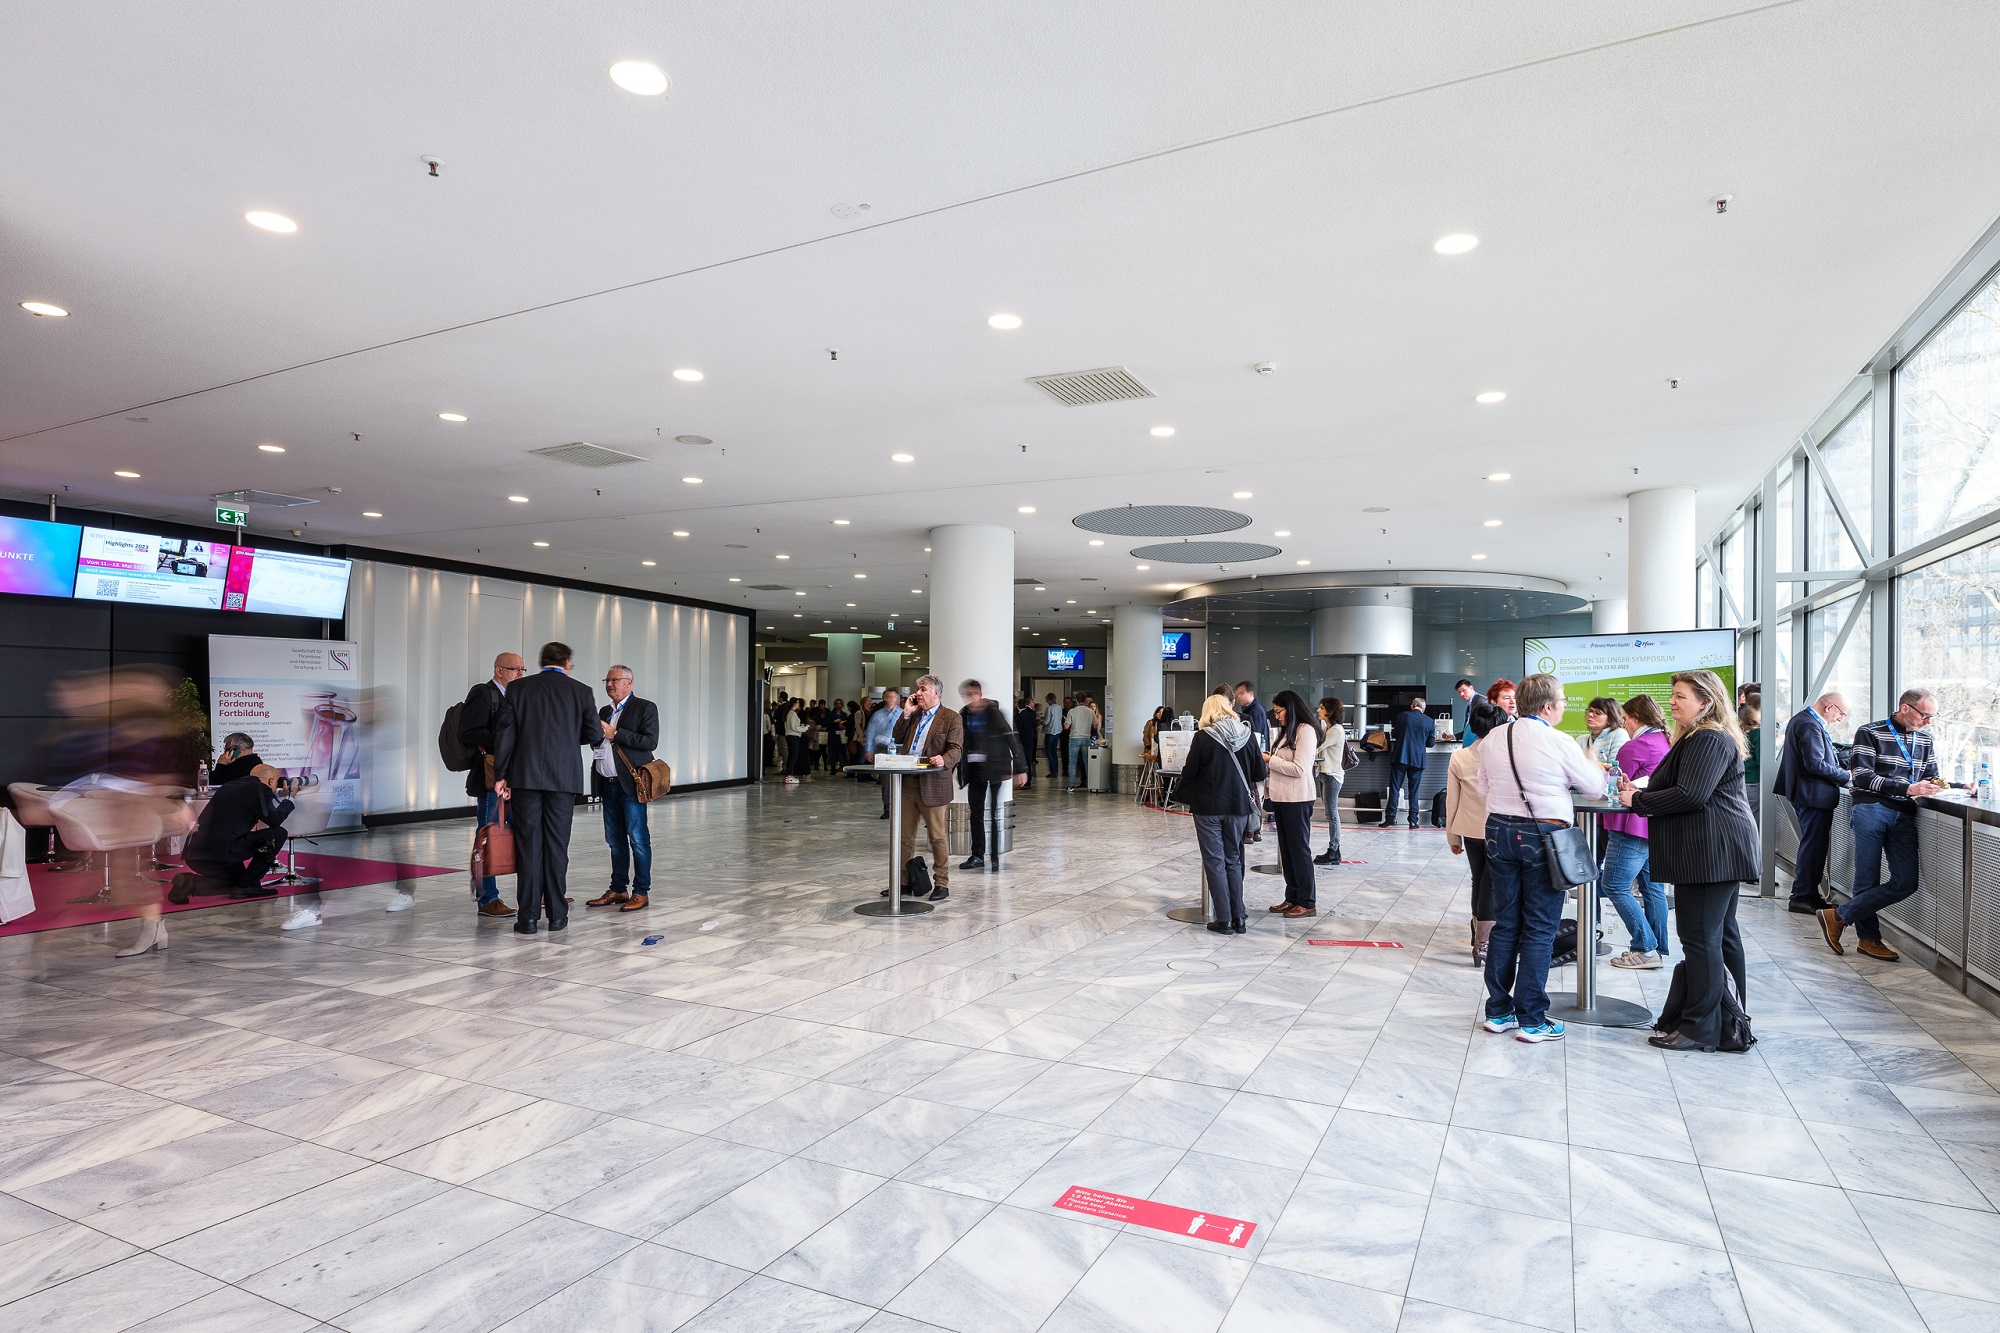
(279, 583)
(36, 558)
(1065, 659)
(141, 569)
(1176, 645)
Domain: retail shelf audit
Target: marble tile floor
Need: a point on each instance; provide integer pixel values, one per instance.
(783, 1115)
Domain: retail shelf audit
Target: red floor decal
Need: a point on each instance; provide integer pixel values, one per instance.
(1360, 944)
(1159, 1216)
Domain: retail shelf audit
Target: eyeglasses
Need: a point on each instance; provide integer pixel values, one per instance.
(512, 671)
(613, 680)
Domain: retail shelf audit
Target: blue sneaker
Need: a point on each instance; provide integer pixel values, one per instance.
(1504, 1023)
(1546, 1030)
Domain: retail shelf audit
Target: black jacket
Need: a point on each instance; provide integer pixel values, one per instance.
(236, 768)
(1207, 786)
(1809, 773)
(638, 736)
(1699, 829)
(990, 752)
(475, 729)
(235, 808)
(543, 721)
(1410, 737)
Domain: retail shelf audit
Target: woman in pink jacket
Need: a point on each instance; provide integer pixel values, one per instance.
(1290, 791)
(1624, 874)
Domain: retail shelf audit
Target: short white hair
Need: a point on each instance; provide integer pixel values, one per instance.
(931, 681)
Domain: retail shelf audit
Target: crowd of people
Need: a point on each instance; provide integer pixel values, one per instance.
(803, 736)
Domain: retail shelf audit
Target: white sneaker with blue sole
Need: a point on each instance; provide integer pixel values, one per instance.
(1546, 1030)
(1504, 1023)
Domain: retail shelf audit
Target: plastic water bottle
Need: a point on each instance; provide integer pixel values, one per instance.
(1985, 783)
(201, 778)
(1611, 775)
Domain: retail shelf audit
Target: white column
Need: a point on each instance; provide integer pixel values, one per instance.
(1659, 564)
(1607, 616)
(972, 607)
(843, 665)
(888, 670)
(1136, 681)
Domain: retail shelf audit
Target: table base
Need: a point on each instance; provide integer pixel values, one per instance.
(1193, 916)
(1604, 1013)
(911, 907)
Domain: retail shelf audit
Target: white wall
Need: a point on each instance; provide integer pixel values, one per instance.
(426, 636)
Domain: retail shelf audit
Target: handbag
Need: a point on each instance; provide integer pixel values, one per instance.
(1570, 860)
(650, 782)
(493, 847)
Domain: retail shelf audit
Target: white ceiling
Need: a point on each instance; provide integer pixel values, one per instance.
(1013, 161)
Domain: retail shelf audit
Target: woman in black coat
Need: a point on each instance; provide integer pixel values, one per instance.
(1223, 765)
(1703, 841)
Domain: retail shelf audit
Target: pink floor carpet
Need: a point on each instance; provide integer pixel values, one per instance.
(53, 889)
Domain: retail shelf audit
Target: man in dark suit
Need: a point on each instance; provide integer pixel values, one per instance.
(1410, 735)
(1810, 776)
(475, 730)
(545, 720)
(936, 734)
(228, 852)
(631, 728)
(1026, 725)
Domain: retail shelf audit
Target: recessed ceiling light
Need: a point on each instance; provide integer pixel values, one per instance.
(1499, 476)
(1282, 532)
(1458, 243)
(1095, 542)
(860, 576)
(1480, 556)
(784, 557)
(639, 76)
(277, 222)
(541, 543)
(121, 472)
(371, 513)
(799, 593)
(451, 416)
(918, 591)
(1302, 562)
(1003, 321)
(272, 448)
(1162, 432)
(840, 522)
(679, 532)
(1025, 509)
(688, 375)
(1490, 396)
(1069, 601)
(1241, 495)
(44, 308)
(692, 481)
(1142, 566)
(693, 439)
(798, 615)
(736, 580)
(1376, 509)
(518, 499)
(1492, 523)
(904, 458)
(1040, 588)
(649, 563)
(850, 603)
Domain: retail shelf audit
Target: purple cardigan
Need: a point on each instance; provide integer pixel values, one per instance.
(1637, 758)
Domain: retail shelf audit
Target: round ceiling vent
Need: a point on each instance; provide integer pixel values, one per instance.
(1207, 553)
(1161, 520)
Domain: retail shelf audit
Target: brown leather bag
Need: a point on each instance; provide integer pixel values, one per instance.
(650, 783)
(493, 847)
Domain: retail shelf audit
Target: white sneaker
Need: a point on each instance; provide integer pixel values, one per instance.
(791, 782)
(303, 917)
(1632, 958)
(402, 902)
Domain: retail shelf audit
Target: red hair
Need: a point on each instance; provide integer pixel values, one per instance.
(1501, 684)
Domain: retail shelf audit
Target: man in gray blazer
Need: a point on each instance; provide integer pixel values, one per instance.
(545, 720)
(631, 728)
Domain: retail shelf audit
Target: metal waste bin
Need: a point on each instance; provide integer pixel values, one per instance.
(958, 828)
(1103, 775)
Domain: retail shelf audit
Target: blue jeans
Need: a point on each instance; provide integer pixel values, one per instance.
(1527, 906)
(625, 829)
(1221, 840)
(488, 888)
(1880, 829)
(1400, 776)
(1624, 878)
(1079, 757)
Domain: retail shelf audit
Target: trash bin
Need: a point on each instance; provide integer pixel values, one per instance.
(1103, 776)
(958, 828)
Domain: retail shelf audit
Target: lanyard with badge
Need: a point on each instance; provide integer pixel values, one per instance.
(1908, 758)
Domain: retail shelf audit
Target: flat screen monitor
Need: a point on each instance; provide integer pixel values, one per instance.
(1176, 645)
(282, 583)
(37, 558)
(1618, 666)
(141, 569)
(1065, 659)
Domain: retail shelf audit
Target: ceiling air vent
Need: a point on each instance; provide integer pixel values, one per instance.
(264, 498)
(772, 587)
(583, 454)
(1161, 521)
(1206, 553)
(1113, 384)
(1030, 583)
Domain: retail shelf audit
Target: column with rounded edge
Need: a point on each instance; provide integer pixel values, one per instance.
(1137, 685)
(889, 670)
(1608, 615)
(843, 665)
(1659, 573)
(972, 618)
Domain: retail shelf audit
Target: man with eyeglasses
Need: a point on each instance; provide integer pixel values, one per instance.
(631, 733)
(1810, 776)
(1891, 765)
(475, 731)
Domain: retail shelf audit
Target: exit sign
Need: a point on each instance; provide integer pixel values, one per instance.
(232, 518)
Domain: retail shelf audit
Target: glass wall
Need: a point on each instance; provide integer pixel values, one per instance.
(1947, 420)
(1849, 455)
(1950, 620)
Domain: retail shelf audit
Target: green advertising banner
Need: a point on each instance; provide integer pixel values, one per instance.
(1619, 666)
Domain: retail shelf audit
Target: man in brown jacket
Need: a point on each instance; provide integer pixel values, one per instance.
(936, 733)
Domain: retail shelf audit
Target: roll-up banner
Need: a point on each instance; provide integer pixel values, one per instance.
(299, 703)
(1618, 666)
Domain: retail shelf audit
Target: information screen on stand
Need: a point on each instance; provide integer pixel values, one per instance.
(1618, 666)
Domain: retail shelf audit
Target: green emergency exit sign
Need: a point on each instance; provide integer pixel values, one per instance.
(232, 518)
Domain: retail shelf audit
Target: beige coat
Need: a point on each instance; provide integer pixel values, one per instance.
(1292, 773)
(1464, 803)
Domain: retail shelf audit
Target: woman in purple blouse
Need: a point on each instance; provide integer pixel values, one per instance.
(1623, 875)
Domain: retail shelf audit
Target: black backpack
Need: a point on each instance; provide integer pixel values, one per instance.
(1437, 809)
(1562, 951)
(1736, 1035)
(458, 757)
(917, 878)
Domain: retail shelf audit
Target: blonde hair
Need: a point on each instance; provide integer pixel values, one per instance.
(1717, 714)
(1215, 709)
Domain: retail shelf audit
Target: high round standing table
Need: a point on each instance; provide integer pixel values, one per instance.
(896, 904)
(1585, 1005)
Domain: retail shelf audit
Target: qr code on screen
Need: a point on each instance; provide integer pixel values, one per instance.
(107, 587)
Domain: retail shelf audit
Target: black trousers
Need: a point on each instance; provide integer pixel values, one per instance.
(1295, 850)
(1705, 919)
(541, 853)
(1815, 831)
(234, 876)
(1482, 878)
(982, 799)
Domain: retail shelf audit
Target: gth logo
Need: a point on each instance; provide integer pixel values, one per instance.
(338, 660)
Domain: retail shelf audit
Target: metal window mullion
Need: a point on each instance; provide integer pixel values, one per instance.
(1767, 672)
(1824, 669)
(1862, 544)
(1883, 641)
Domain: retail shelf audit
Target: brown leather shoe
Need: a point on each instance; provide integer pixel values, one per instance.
(1277, 907)
(495, 908)
(1832, 927)
(609, 898)
(1295, 911)
(1876, 949)
(634, 903)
